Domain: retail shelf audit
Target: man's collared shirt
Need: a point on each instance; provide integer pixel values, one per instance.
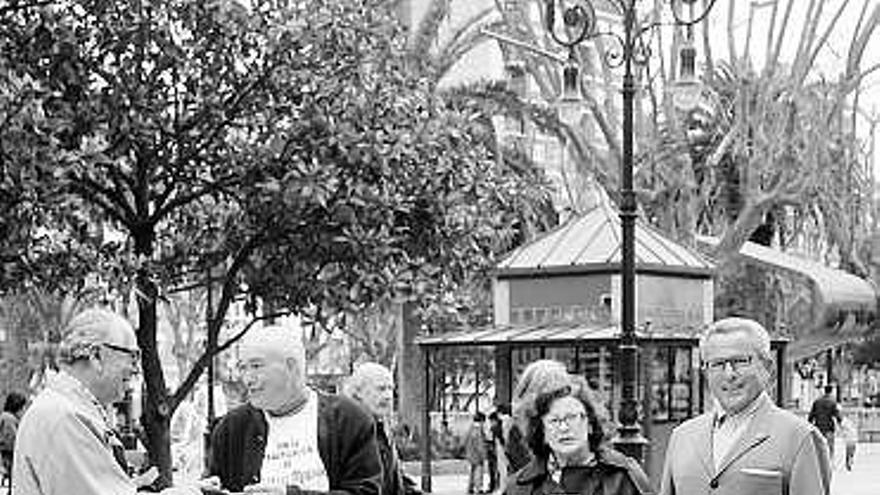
(730, 427)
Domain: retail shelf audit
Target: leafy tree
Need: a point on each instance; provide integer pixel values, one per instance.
(34, 320)
(280, 153)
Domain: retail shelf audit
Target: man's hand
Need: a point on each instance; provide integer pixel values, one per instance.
(200, 487)
(146, 478)
(181, 490)
(260, 489)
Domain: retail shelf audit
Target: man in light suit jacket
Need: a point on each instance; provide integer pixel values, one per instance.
(748, 445)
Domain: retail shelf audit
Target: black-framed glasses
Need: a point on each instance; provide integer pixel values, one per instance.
(134, 354)
(736, 363)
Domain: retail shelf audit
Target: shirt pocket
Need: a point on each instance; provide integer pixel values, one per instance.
(761, 481)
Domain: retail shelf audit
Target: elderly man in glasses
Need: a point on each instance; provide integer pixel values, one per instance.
(747, 445)
(65, 442)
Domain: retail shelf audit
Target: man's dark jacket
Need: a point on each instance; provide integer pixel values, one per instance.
(824, 413)
(394, 481)
(346, 444)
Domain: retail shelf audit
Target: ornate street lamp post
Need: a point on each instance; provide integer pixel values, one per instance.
(578, 22)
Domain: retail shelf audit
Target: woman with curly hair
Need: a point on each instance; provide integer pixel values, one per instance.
(566, 435)
(538, 377)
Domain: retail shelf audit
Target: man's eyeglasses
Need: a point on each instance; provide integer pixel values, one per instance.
(567, 420)
(134, 354)
(736, 363)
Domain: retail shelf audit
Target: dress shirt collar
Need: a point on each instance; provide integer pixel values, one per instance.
(70, 386)
(722, 417)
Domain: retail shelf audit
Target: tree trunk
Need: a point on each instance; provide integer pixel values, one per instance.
(410, 369)
(156, 417)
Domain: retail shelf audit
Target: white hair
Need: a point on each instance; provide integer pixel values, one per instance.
(760, 337)
(88, 329)
(363, 374)
(275, 340)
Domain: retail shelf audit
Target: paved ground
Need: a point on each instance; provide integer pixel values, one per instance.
(864, 479)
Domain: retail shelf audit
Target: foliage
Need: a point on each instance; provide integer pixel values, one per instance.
(277, 153)
(868, 352)
(34, 320)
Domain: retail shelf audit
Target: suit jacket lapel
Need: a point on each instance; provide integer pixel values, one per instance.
(755, 434)
(701, 446)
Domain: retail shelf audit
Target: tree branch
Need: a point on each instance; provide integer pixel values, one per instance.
(193, 376)
(824, 38)
(773, 57)
(731, 43)
(179, 201)
(107, 199)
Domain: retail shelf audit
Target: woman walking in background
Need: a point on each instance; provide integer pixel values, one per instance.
(475, 452)
(850, 433)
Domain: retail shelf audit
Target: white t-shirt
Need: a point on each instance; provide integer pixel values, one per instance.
(292, 456)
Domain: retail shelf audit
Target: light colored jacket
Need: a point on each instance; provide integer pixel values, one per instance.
(64, 445)
(778, 454)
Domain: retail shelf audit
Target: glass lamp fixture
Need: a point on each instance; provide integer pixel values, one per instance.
(571, 101)
(686, 89)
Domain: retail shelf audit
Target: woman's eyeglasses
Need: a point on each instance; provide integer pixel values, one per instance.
(568, 420)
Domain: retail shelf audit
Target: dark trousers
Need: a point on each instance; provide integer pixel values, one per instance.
(850, 454)
(6, 459)
(492, 463)
(475, 480)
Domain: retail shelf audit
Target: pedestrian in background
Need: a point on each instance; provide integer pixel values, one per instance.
(475, 452)
(13, 408)
(372, 385)
(570, 451)
(495, 444)
(850, 433)
(825, 414)
(748, 445)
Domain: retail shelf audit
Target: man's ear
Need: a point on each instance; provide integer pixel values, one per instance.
(291, 364)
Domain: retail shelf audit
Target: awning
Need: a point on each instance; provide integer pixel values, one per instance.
(551, 333)
(829, 338)
(805, 347)
(835, 287)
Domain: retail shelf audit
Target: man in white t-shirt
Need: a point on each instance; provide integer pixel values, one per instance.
(289, 438)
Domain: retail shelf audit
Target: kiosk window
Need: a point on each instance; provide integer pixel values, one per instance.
(670, 383)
